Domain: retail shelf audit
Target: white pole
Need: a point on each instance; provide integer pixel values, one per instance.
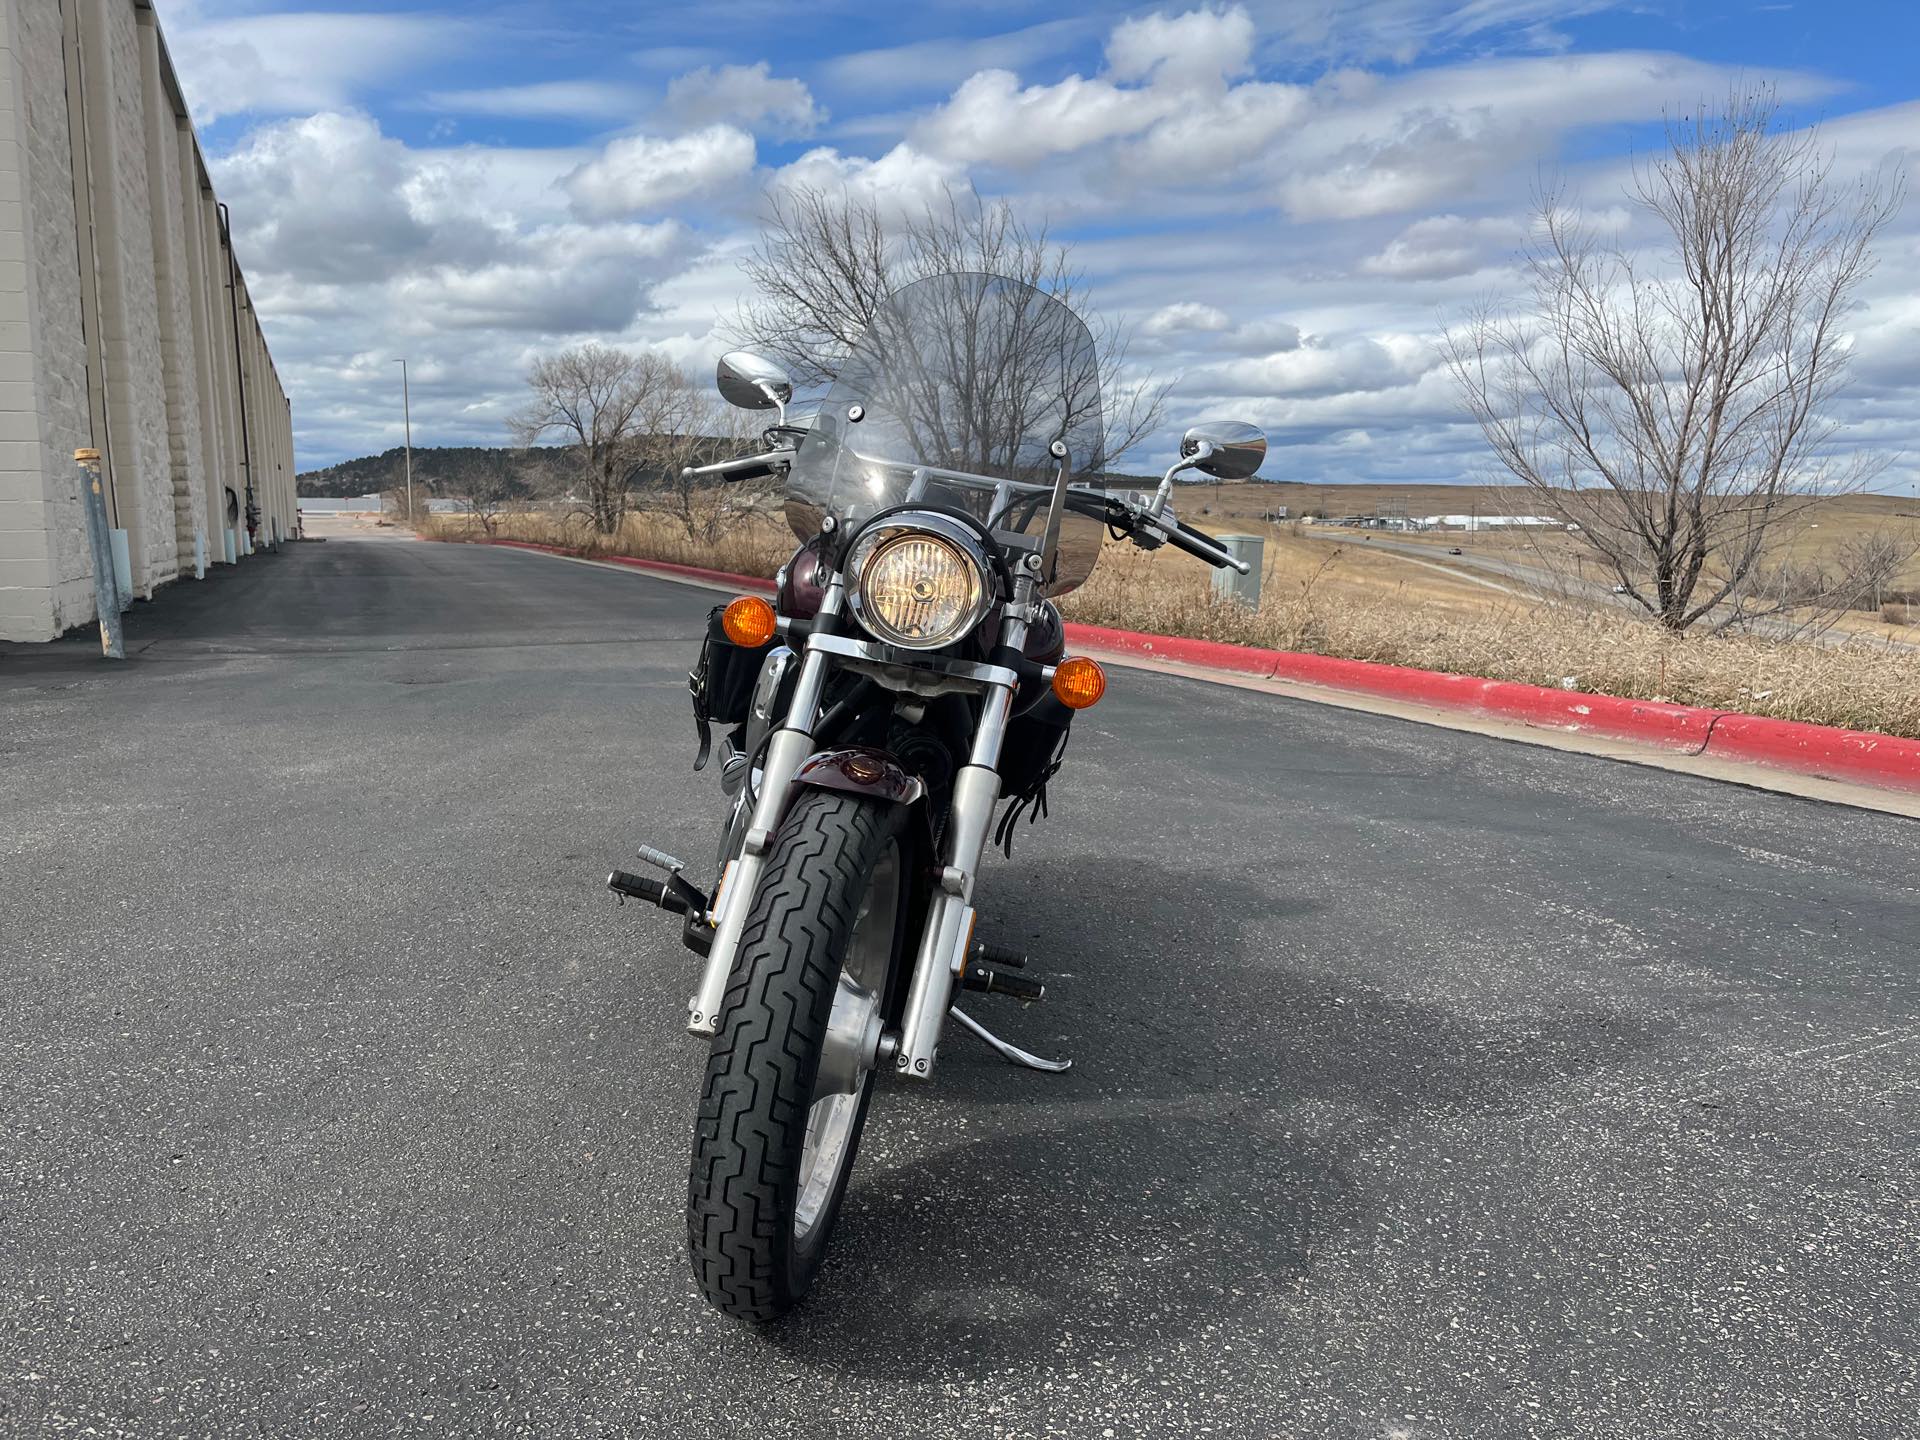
(406, 406)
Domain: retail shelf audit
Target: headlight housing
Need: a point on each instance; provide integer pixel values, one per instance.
(918, 581)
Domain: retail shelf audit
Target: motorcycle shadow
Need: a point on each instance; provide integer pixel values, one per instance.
(1188, 1169)
(1045, 1248)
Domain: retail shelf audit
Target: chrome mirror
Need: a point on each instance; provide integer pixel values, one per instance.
(753, 382)
(1225, 449)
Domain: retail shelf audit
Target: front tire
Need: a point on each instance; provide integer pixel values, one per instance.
(789, 1075)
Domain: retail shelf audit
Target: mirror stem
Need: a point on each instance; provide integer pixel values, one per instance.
(1185, 462)
(773, 394)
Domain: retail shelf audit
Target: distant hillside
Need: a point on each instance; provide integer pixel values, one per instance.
(447, 470)
(439, 469)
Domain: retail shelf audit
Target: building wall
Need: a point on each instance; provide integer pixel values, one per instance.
(186, 470)
(43, 405)
(59, 348)
(118, 300)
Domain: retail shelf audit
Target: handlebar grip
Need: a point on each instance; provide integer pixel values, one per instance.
(1203, 547)
(1199, 534)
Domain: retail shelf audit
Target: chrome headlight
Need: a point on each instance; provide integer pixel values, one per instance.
(918, 581)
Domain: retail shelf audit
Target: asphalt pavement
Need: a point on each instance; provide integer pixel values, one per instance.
(1426, 1084)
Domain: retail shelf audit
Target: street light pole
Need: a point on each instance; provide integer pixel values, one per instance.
(406, 409)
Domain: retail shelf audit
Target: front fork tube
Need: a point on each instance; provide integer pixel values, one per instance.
(949, 928)
(787, 749)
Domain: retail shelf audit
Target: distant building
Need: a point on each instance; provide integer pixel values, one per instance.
(1490, 522)
(340, 505)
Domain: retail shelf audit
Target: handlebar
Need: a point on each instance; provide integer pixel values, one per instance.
(746, 467)
(1202, 547)
(1151, 530)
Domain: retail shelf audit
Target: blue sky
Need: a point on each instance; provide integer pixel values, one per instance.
(1287, 201)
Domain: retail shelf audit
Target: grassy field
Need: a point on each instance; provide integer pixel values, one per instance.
(1339, 597)
(1826, 527)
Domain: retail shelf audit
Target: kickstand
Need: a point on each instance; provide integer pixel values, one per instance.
(1012, 1054)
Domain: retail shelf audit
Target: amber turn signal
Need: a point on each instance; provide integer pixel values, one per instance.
(748, 621)
(1079, 682)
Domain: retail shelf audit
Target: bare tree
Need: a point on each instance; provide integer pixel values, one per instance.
(827, 259)
(488, 492)
(693, 426)
(1873, 561)
(606, 404)
(1680, 414)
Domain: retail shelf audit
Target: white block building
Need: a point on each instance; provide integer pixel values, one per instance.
(125, 324)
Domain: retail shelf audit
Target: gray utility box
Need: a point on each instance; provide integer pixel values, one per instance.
(1231, 584)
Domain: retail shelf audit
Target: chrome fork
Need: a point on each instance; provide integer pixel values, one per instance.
(787, 750)
(949, 929)
(949, 926)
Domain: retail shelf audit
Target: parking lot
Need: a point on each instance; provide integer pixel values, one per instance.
(1425, 1084)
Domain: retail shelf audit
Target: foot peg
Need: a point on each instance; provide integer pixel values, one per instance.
(987, 971)
(653, 892)
(998, 956)
(673, 893)
(660, 860)
(998, 982)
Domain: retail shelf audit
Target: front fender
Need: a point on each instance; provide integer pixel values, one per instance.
(860, 770)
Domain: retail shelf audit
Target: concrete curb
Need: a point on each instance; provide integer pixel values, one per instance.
(1821, 751)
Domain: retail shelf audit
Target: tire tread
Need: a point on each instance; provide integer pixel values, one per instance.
(761, 1067)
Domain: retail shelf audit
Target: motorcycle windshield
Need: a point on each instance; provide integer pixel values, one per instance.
(954, 399)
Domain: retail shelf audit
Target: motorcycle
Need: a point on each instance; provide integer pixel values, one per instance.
(909, 676)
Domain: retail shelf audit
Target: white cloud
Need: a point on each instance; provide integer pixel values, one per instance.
(1196, 333)
(1169, 114)
(901, 182)
(1201, 47)
(748, 95)
(929, 65)
(552, 99)
(1400, 31)
(1323, 368)
(1164, 110)
(1376, 146)
(1262, 337)
(1184, 317)
(993, 119)
(302, 61)
(359, 248)
(561, 279)
(1442, 246)
(1226, 184)
(645, 172)
(326, 198)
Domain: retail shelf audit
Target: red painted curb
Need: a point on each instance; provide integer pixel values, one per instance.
(1819, 750)
(1675, 727)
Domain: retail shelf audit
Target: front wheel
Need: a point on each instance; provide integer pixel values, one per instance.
(790, 1072)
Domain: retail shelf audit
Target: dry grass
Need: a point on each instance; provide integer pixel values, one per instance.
(1347, 602)
(1863, 687)
(755, 545)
